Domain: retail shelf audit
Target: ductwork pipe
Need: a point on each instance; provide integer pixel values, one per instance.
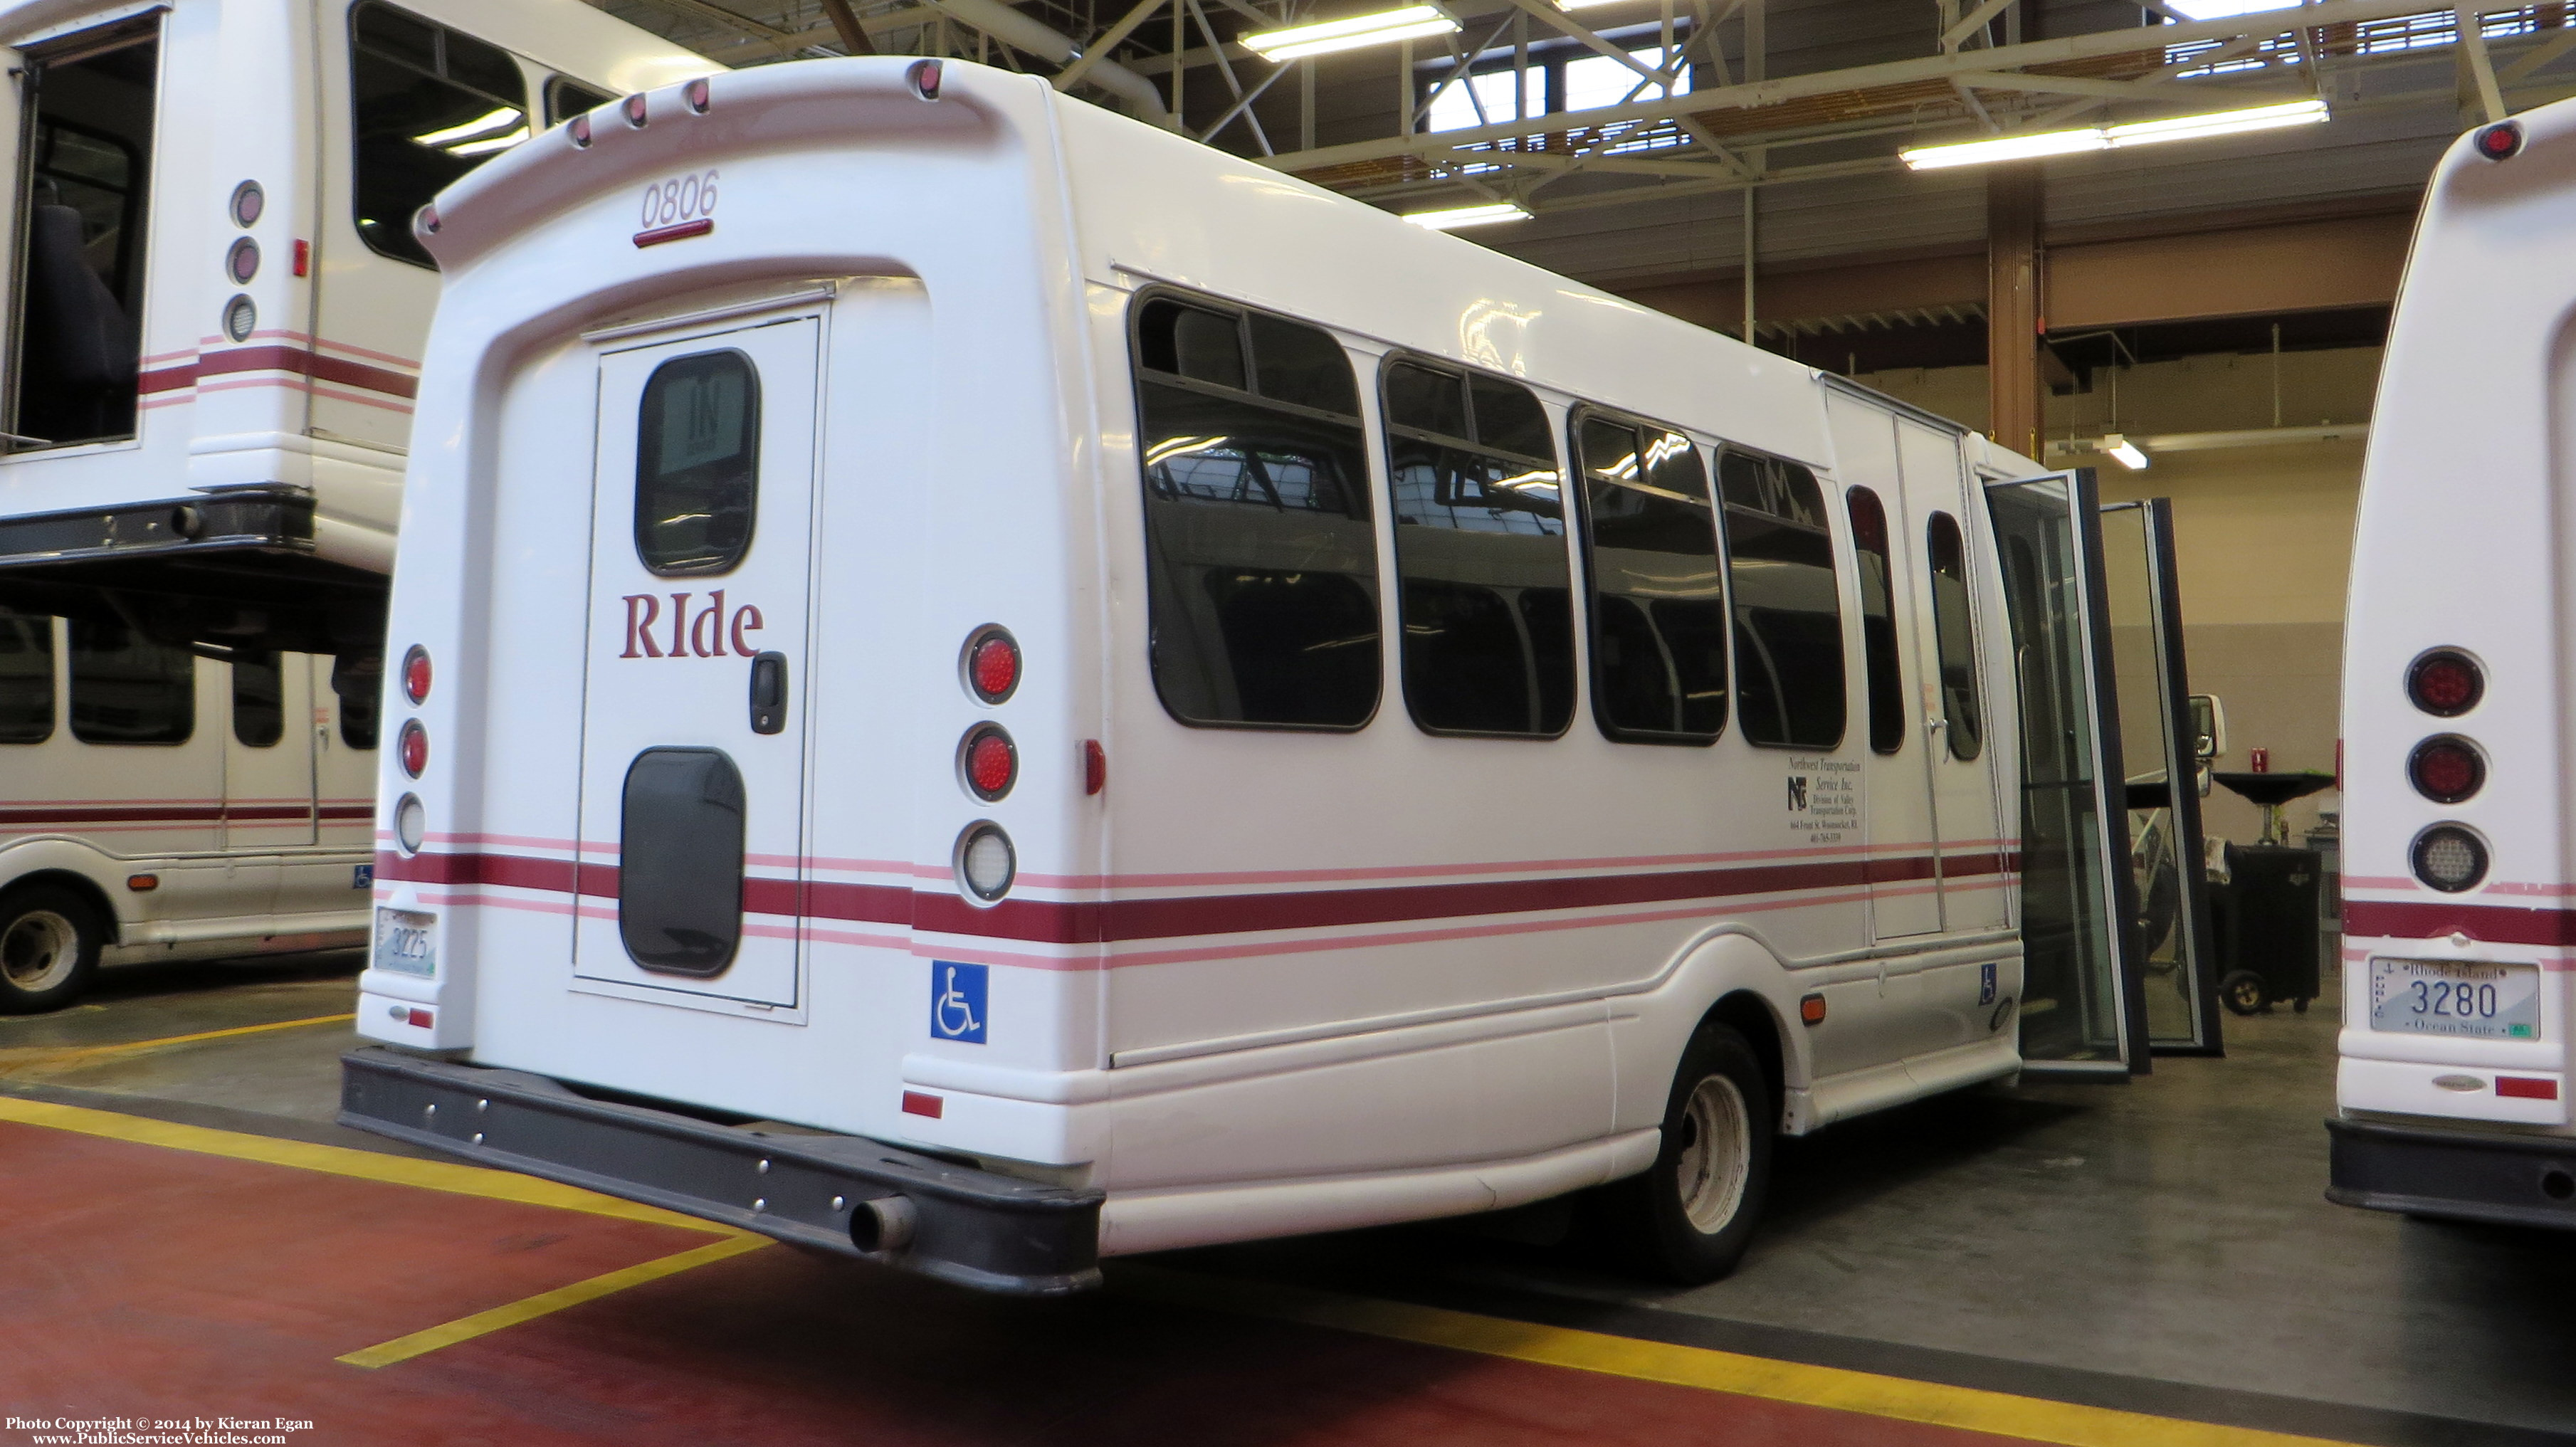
(1056, 48)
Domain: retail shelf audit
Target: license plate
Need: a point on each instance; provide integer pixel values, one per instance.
(406, 943)
(2453, 997)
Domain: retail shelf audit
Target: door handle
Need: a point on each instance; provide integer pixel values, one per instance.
(1935, 724)
(769, 693)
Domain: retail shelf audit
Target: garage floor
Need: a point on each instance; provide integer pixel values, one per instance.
(2073, 1264)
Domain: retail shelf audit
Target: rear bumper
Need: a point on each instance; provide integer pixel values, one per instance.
(971, 1227)
(2510, 1179)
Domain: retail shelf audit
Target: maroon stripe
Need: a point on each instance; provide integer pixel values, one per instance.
(554, 875)
(300, 360)
(139, 814)
(348, 811)
(2494, 923)
(681, 232)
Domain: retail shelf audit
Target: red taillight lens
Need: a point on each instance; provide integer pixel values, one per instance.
(2499, 142)
(992, 764)
(2445, 683)
(2446, 769)
(415, 748)
(415, 675)
(992, 664)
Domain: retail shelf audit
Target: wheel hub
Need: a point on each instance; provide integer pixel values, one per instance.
(39, 951)
(1716, 1154)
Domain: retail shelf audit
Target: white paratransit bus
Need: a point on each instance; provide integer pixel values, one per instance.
(995, 686)
(2459, 887)
(214, 312)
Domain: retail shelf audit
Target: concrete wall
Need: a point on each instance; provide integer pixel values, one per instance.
(2263, 534)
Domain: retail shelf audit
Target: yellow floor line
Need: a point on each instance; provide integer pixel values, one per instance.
(41, 1055)
(404, 1348)
(1967, 1408)
(448, 1176)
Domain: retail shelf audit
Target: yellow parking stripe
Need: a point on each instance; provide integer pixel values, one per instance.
(1967, 1408)
(41, 1055)
(448, 1176)
(404, 1348)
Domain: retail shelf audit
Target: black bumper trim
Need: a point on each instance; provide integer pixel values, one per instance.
(971, 1227)
(265, 517)
(2465, 1175)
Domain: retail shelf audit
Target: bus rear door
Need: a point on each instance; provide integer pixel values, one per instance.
(692, 728)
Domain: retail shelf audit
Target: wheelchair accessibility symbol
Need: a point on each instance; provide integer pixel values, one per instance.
(957, 1002)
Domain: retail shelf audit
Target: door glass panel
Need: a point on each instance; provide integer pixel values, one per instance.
(697, 464)
(88, 167)
(259, 698)
(2074, 1007)
(679, 879)
(1955, 638)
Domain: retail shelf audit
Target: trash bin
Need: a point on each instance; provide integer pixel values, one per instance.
(2265, 918)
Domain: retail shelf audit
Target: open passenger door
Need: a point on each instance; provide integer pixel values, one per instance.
(2096, 620)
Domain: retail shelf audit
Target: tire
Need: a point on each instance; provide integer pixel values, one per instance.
(49, 943)
(2300, 1006)
(2242, 992)
(1688, 1218)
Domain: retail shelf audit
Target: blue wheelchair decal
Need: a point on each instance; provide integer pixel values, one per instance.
(957, 1002)
(362, 876)
(1985, 984)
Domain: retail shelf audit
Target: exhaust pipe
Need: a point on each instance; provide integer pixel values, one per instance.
(884, 1224)
(1056, 48)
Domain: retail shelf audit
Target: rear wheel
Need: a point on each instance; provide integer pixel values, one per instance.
(1689, 1217)
(2242, 992)
(49, 942)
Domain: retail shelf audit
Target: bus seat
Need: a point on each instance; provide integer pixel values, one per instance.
(79, 356)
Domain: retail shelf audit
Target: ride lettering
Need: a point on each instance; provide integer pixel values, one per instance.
(701, 636)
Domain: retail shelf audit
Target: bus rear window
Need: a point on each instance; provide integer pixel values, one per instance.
(1658, 595)
(1788, 618)
(1261, 559)
(1486, 601)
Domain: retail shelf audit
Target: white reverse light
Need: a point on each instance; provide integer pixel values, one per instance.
(1325, 37)
(2103, 138)
(1457, 216)
(2121, 450)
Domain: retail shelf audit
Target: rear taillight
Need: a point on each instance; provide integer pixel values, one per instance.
(992, 663)
(2449, 858)
(2446, 769)
(415, 675)
(411, 824)
(985, 861)
(990, 761)
(2445, 683)
(414, 750)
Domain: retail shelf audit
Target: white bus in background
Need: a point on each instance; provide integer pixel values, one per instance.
(1097, 698)
(213, 317)
(2459, 883)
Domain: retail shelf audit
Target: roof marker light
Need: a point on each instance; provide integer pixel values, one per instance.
(579, 129)
(2501, 141)
(695, 93)
(425, 220)
(923, 77)
(636, 110)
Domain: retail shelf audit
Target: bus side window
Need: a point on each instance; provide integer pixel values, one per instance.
(1486, 601)
(567, 97)
(1878, 622)
(429, 104)
(1260, 556)
(127, 689)
(1954, 638)
(26, 677)
(1658, 593)
(259, 698)
(1788, 616)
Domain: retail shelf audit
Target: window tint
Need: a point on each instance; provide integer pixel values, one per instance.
(259, 698)
(1788, 621)
(1956, 638)
(26, 677)
(1878, 622)
(1261, 562)
(1658, 595)
(679, 876)
(1488, 630)
(697, 463)
(429, 105)
(566, 98)
(127, 689)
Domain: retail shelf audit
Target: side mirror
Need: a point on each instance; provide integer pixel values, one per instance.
(2208, 728)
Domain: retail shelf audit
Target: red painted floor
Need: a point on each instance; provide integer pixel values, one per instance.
(144, 1281)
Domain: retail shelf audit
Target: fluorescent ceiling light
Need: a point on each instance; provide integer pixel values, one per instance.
(2218, 123)
(501, 142)
(2102, 138)
(2221, 9)
(2122, 451)
(483, 124)
(1327, 36)
(1583, 4)
(1457, 216)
